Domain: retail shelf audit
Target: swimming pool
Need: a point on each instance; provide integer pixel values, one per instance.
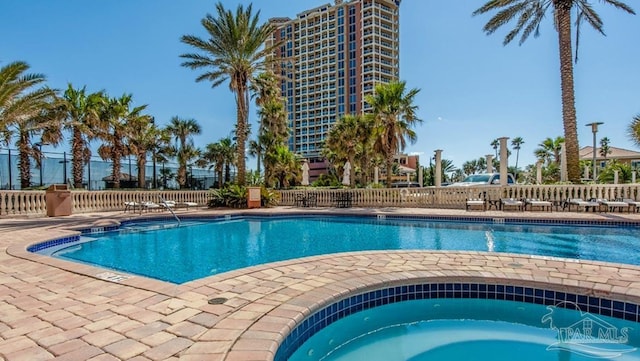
(204, 248)
(468, 329)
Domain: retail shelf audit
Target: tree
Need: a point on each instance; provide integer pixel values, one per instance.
(549, 150)
(286, 165)
(142, 139)
(633, 131)
(26, 112)
(605, 149)
(235, 51)
(395, 114)
(495, 144)
(345, 139)
(529, 14)
(81, 113)
(183, 130)
(115, 129)
(516, 143)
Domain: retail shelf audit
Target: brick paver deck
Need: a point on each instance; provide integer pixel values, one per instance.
(53, 309)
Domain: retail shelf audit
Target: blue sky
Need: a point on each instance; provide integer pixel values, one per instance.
(473, 89)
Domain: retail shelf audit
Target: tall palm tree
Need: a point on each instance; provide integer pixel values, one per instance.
(81, 112)
(345, 139)
(495, 144)
(235, 50)
(394, 112)
(183, 131)
(516, 143)
(605, 149)
(142, 139)
(26, 112)
(115, 129)
(529, 14)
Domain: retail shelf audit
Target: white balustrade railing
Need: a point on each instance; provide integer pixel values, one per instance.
(455, 197)
(34, 202)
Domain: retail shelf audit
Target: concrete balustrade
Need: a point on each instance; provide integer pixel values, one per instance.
(34, 202)
(455, 197)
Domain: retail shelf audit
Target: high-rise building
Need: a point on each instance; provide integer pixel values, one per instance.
(331, 58)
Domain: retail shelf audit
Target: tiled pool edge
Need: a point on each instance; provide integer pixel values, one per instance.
(422, 291)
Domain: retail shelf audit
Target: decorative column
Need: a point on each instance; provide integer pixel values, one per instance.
(438, 174)
(615, 177)
(539, 172)
(585, 175)
(633, 176)
(489, 163)
(421, 176)
(376, 175)
(504, 160)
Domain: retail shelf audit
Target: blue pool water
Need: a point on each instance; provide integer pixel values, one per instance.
(181, 254)
(472, 329)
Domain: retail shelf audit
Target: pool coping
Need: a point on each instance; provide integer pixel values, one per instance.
(265, 302)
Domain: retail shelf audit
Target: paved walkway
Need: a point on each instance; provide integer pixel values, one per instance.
(53, 309)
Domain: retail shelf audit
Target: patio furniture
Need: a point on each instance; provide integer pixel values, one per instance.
(131, 206)
(534, 202)
(608, 205)
(581, 203)
(512, 203)
(301, 200)
(633, 204)
(342, 199)
(476, 202)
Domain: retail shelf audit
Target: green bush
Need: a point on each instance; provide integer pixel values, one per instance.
(234, 196)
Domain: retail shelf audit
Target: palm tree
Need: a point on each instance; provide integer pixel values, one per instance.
(227, 152)
(81, 112)
(235, 51)
(346, 139)
(529, 14)
(115, 129)
(495, 144)
(516, 143)
(394, 113)
(549, 150)
(286, 165)
(633, 131)
(142, 139)
(605, 149)
(25, 112)
(183, 130)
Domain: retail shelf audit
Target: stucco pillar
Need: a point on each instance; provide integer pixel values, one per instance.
(438, 174)
(489, 163)
(615, 177)
(539, 172)
(504, 161)
(563, 163)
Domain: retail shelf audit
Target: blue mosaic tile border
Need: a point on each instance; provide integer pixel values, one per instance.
(330, 314)
(52, 243)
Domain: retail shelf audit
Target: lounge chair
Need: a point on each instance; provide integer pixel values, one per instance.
(476, 202)
(148, 206)
(633, 204)
(612, 205)
(581, 203)
(511, 202)
(534, 202)
(131, 206)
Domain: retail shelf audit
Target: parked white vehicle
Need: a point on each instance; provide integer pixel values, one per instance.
(482, 179)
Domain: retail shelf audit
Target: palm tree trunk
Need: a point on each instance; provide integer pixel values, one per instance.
(24, 162)
(77, 166)
(563, 19)
(241, 129)
(142, 164)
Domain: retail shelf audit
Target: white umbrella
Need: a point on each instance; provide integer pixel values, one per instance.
(346, 174)
(305, 173)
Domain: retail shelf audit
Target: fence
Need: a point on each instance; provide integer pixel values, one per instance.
(455, 197)
(34, 202)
